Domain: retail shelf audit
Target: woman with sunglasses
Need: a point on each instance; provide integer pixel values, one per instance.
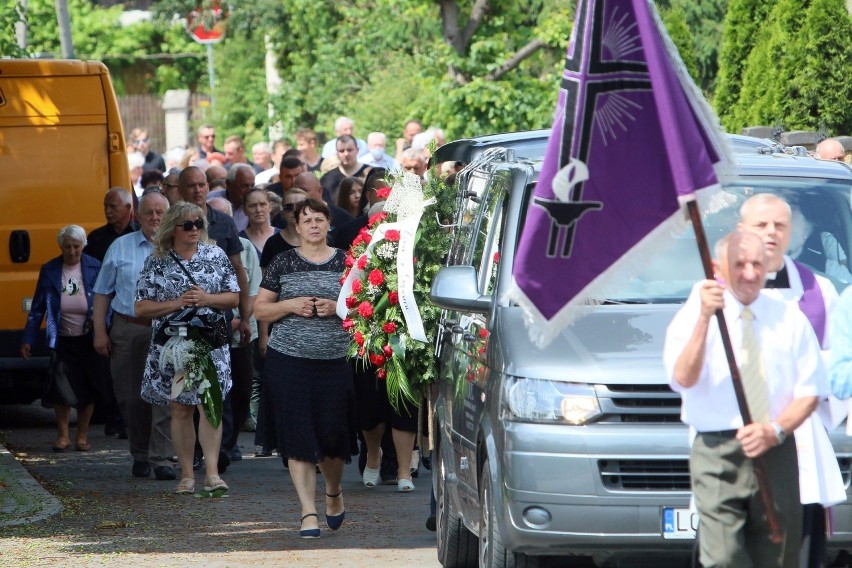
(186, 271)
(288, 238)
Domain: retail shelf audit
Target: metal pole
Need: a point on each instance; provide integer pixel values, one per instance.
(775, 532)
(64, 29)
(21, 25)
(211, 73)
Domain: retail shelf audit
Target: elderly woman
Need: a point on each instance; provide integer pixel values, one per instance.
(64, 294)
(186, 271)
(306, 367)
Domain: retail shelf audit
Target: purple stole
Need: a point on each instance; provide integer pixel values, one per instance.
(811, 303)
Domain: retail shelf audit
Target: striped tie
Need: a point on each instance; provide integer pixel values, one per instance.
(751, 369)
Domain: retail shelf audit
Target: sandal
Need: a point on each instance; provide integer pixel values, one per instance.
(214, 483)
(186, 486)
(309, 533)
(404, 485)
(334, 521)
(83, 446)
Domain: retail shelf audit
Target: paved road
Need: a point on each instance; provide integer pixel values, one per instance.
(113, 519)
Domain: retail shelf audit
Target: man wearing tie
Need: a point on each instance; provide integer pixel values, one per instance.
(783, 377)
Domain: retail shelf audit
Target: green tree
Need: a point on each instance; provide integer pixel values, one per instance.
(820, 88)
(675, 21)
(743, 21)
(797, 73)
(767, 70)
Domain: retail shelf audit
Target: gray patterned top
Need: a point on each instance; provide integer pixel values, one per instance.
(162, 280)
(291, 275)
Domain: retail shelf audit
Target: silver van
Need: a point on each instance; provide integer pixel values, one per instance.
(577, 449)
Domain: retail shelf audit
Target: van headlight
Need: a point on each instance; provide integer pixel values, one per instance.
(537, 400)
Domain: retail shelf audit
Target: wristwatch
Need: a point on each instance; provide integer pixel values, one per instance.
(780, 435)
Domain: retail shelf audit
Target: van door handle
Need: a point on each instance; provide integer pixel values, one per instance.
(19, 246)
(468, 336)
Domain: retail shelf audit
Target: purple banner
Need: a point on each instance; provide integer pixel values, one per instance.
(632, 138)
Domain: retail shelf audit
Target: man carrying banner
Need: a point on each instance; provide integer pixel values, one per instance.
(783, 378)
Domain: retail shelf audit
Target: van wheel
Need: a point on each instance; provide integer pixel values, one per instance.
(491, 551)
(456, 544)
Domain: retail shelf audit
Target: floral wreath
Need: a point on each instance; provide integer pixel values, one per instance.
(385, 331)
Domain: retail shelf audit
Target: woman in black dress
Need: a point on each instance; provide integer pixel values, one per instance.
(306, 367)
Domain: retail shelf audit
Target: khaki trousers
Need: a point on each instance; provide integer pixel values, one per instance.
(148, 425)
(732, 520)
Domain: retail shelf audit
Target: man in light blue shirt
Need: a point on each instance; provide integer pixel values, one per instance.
(127, 342)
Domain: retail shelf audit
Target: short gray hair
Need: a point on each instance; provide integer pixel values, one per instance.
(73, 232)
(232, 171)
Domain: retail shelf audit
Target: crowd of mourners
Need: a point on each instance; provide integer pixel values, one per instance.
(260, 243)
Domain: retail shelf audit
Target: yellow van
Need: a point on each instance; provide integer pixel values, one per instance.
(61, 148)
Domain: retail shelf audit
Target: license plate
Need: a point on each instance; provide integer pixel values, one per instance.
(679, 523)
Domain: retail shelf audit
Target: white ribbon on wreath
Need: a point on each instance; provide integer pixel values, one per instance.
(406, 200)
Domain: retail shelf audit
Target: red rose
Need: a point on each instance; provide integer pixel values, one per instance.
(357, 241)
(388, 351)
(349, 262)
(351, 302)
(382, 374)
(376, 277)
(483, 333)
(348, 324)
(359, 338)
(497, 257)
(356, 286)
(377, 218)
(362, 262)
(377, 360)
(393, 298)
(342, 280)
(389, 327)
(383, 192)
(392, 235)
(470, 377)
(414, 260)
(365, 309)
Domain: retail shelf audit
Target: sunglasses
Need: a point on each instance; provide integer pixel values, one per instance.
(188, 225)
(288, 206)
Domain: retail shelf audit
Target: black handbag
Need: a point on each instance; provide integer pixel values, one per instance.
(212, 326)
(58, 388)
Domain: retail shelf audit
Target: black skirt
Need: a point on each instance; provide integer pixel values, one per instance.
(314, 406)
(86, 370)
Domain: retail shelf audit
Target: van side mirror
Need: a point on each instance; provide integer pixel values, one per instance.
(456, 288)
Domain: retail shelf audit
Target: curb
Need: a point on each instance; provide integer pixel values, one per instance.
(22, 499)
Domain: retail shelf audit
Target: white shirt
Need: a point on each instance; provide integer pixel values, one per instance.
(266, 175)
(387, 162)
(794, 293)
(791, 359)
(329, 149)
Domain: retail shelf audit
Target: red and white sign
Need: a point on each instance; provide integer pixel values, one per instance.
(207, 24)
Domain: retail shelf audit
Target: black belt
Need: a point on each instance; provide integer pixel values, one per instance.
(721, 433)
(130, 319)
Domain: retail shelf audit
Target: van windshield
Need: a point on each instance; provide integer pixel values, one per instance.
(821, 237)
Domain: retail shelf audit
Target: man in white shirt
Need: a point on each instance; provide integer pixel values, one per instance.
(820, 481)
(788, 364)
(343, 126)
(377, 156)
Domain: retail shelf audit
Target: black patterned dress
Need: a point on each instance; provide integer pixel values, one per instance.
(306, 367)
(162, 280)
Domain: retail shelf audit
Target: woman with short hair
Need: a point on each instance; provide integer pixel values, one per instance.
(64, 293)
(306, 367)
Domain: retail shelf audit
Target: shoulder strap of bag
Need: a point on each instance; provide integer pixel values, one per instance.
(182, 267)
